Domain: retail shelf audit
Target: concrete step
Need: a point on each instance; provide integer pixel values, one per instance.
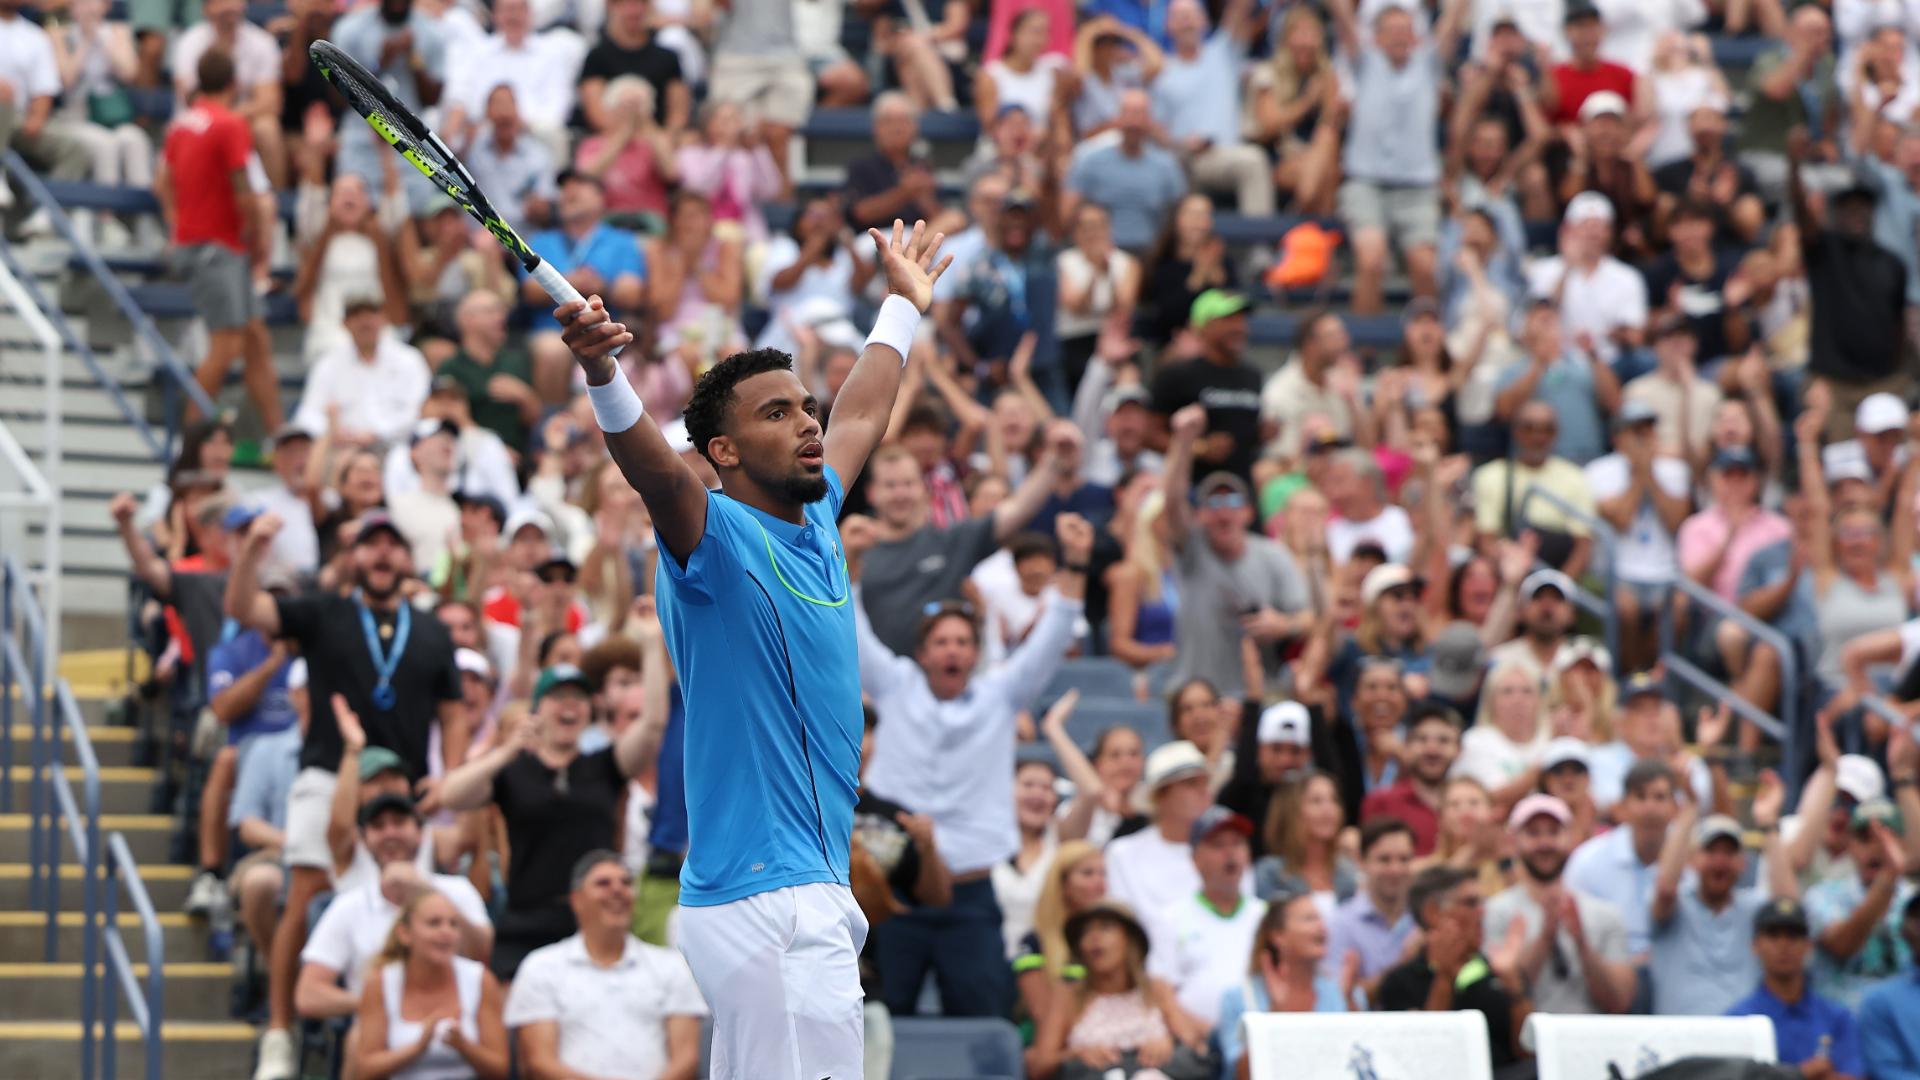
(193, 991)
(84, 547)
(46, 1050)
(113, 746)
(95, 682)
(23, 936)
(166, 883)
(147, 836)
(81, 396)
(108, 435)
(124, 789)
(97, 474)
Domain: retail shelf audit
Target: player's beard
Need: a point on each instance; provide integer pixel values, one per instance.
(804, 489)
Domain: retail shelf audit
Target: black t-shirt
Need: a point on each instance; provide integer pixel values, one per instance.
(1247, 794)
(552, 821)
(870, 176)
(659, 65)
(1107, 552)
(1859, 292)
(331, 638)
(1171, 301)
(1232, 396)
(200, 599)
(1405, 988)
(876, 829)
(1701, 299)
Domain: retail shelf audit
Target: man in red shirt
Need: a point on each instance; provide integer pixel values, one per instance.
(1433, 742)
(221, 228)
(1569, 84)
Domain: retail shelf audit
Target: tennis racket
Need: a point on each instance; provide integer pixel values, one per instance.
(418, 144)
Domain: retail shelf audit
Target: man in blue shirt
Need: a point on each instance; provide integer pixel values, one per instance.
(597, 258)
(753, 594)
(1808, 1030)
(1890, 1015)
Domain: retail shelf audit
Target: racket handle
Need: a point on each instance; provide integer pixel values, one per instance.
(557, 286)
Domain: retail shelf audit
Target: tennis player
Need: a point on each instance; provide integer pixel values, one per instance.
(754, 597)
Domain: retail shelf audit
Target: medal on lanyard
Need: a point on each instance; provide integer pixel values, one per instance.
(388, 661)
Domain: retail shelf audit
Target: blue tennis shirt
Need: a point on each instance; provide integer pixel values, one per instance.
(760, 625)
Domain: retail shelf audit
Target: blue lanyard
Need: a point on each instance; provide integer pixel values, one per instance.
(385, 663)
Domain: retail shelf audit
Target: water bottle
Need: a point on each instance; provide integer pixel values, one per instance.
(220, 927)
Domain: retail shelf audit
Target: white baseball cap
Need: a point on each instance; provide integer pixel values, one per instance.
(1878, 413)
(1286, 723)
(1589, 205)
(473, 662)
(1384, 577)
(1566, 750)
(1602, 103)
(1859, 778)
(524, 517)
(1173, 762)
(1845, 461)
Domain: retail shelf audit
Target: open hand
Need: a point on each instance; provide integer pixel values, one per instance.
(908, 261)
(353, 737)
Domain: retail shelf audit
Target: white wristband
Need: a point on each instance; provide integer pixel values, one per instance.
(615, 405)
(894, 326)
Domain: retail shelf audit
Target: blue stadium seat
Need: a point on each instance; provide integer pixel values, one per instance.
(86, 195)
(1740, 52)
(927, 1048)
(856, 125)
(1094, 715)
(1093, 676)
(1368, 331)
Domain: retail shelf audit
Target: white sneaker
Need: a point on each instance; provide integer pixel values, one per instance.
(206, 893)
(278, 1061)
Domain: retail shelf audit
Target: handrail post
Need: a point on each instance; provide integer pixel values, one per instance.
(109, 988)
(7, 676)
(1604, 537)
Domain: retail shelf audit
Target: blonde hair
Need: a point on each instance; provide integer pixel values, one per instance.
(1144, 555)
(1605, 702)
(1504, 670)
(629, 84)
(396, 949)
(1050, 910)
(1288, 79)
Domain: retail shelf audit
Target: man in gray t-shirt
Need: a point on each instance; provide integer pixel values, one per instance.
(1573, 948)
(1233, 585)
(914, 563)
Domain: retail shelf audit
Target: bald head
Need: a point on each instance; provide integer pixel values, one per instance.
(1186, 22)
(481, 319)
(1135, 118)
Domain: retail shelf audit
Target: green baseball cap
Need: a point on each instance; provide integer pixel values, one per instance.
(557, 676)
(1215, 304)
(1878, 812)
(375, 760)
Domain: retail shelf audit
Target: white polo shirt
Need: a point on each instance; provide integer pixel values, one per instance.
(355, 926)
(612, 1019)
(1208, 954)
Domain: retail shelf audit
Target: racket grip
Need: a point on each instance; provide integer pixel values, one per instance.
(557, 287)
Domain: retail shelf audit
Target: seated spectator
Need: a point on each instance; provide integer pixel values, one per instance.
(1790, 86)
(1118, 1016)
(1648, 729)
(1304, 852)
(1369, 932)
(1500, 489)
(1604, 160)
(1706, 173)
(1319, 382)
(96, 62)
(1887, 1037)
(347, 251)
(1143, 597)
(598, 258)
(1389, 194)
(1503, 747)
(633, 155)
(1196, 713)
(1644, 494)
(1187, 258)
(815, 268)
(1416, 798)
(1808, 1030)
(1027, 75)
(1017, 881)
(1043, 962)
(1575, 381)
(506, 157)
(1363, 511)
(1110, 58)
(629, 46)
(1858, 919)
(541, 69)
(1566, 773)
(264, 768)
(419, 972)
(735, 172)
(1291, 949)
(1715, 542)
(1622, 865)
(1688, 285)
(1152, 869)
(1692, 971)
(366, 391)
(1269, 754)
(1470, 835)
(1106, 786)
(1212, 929)
(1583, 936)
(926, 57)
(257, 84)
(1099, 286)
(1293, 109)
(760, 77)
(603, 1002)
(1602, 301)
(695, 282)
(403, 46)
(426, 513)
(893, 183)
(1450, 971)
(1585, 72)
(495, 374)
(1134, 180)
(1196, 99)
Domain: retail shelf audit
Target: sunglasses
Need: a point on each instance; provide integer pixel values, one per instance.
(946, 607)
(557, 576)
(1226, 500)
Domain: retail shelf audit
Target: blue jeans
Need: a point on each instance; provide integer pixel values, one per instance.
(962, 945)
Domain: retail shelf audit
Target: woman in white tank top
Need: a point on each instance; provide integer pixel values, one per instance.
(431, 1014)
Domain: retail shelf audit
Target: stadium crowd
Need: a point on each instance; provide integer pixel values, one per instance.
(1656, 340)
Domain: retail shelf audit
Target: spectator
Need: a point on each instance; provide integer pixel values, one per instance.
(1693, 970)
(598, 258)
(1152, 869)
(426, 514)
(1470, 836)
(367, 390)
(265, 762)
(496, 376)
(1134, 180)
(735, 172)
(1321, 380)
(1369, 932)
(1196, 99)
(1302, 834)
(406, 49)
(1357, 488)
(1887, 1038)
(1017, 881)
(256, 81)
(924, 54)
(1683, 79)
(541, 69)
(1011, 151)
(1451, 971)
(1107, 805)
(1809, 1031)
(1716, 541)
(347, 251)
(1579, 385)
(896, 182)
(1293, 110)
(1583, 936)
(339, 953)
(1099, 286)
(1500, 490)
(1117, 1014)
(1211, 930)
(978, 821)
(603, 1002)
(1647, 730)
(1604, 161)
(414, 967)
(1188, 258)
(1644, 495)
(1602, 301)
(1585, 72)
(507, 158)
(1857, 919)
(1290, 953)
(695, 280)
(1240, 588)
(628, 46)
(1043, 963)
(633, 155)
(1026, 76)
(1682, 402)
(97, 63)
(1391, 162)
(813, 269)
(1503, 747)
(758, 70)
(1792, 86)
(1432, 746)
(1707, 174)
(290, 496)
(1110, 58)
(1622, 865)
(206, 195)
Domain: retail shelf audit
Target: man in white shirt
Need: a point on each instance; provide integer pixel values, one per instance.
(1213, 929)
(29, 81)
(603, 1003)
(1357, 490)
(482, 465)
(542, 69)
(1644, 496)
(1152, 870)
(1575, 952)
(427, 515)
(296, 547)
(1601, 299)
(369, 390)
(257, 76)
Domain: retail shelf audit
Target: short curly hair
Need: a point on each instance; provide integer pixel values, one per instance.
(707, 409)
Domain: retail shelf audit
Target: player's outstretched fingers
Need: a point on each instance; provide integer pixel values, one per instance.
(931, 249)
(916, 240)
(934, 274)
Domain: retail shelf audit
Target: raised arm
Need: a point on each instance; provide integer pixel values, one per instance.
(1027, 672)
(146, 563)
(469, 786)
(1176, 477)
(1018, 508)
(674, 495)
(1346, 27)
(245, 600)
(1813, 488)
(1674, 855)
(861, 409)
(639, 745)
(1783, 881)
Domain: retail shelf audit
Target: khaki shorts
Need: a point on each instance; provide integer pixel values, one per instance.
(309, 806)
(253, 861)
(772, 89)
(1410, 216)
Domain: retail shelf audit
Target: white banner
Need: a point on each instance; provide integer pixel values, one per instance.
(1586, 1047)
(1368, 1046)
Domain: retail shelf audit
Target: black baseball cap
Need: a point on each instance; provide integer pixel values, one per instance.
(375, 521)
(570, 174)
(1784, 913)
(391, 800)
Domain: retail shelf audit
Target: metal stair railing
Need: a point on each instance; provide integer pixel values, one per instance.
(144, 1005)
(1783, 728)
(1607, 543)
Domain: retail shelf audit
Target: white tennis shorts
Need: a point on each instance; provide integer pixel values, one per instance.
(309, 806)
(781, 974)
